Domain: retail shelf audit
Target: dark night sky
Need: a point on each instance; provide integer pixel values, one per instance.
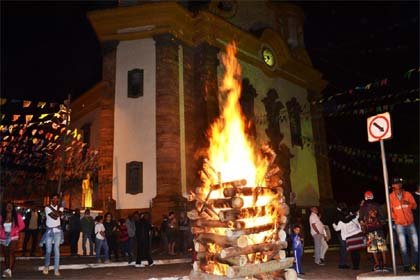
(49, 50)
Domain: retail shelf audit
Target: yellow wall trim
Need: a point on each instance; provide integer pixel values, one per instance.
(148, 20)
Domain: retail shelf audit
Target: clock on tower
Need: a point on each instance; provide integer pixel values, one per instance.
(268, 57)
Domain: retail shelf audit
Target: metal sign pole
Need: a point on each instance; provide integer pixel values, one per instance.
(388, 207)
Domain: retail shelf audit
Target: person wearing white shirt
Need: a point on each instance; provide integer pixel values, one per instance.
(319, 235)
(53, 234)
(100, 240)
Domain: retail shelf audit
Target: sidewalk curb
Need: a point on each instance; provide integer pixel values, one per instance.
(115, 264)
(386, 275)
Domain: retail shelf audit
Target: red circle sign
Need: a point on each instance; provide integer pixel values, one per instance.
(382, 133)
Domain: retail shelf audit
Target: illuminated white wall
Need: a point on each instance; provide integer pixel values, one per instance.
(304, 177)
(135, 123)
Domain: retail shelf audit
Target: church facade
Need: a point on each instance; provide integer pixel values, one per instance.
(159, 94)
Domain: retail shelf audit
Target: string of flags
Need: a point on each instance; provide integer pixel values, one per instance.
(364, 106)
(365, 154)
(33, 141)
(361, 173)
(355, 171)
(359, 89)
(29, 103)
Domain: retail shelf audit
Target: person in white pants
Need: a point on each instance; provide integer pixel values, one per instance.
(319, 235)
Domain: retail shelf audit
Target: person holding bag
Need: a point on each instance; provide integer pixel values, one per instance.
(351, 232)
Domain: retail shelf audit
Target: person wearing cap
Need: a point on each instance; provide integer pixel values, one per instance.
(402, 205)
(372, 220)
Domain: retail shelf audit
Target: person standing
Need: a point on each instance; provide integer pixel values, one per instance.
(402, 206)
(87, 227)
(343, 217)
(32, 225)
(417, 214)
(11, 223)
(131, 230)
(74, 231)
(143, 230)
(372, 220)
(184, 232)
(351, 233)
(123, 238)
(317, 232)
(172, 233)
(297, 246)
(111, 230)
(100, 241)
(164, 232)
(53, 234)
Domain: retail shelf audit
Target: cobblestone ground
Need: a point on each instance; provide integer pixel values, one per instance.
(28, 269)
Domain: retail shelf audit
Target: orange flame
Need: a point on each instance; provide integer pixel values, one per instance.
(231, 154)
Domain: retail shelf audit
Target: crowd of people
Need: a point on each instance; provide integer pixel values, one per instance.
(366, 229)
(131, 239)
(127, 239)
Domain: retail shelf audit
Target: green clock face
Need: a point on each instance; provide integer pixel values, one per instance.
(268, 57)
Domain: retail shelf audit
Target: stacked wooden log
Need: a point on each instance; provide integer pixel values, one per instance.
(227, 241)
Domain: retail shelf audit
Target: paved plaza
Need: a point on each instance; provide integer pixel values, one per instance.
(85, 268)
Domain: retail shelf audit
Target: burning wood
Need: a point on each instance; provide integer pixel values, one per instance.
(253, 269)
(220, 224)
(268, 246)
(240, 207)
(235, 214)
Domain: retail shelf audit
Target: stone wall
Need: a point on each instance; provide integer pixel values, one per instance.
(106, 130)
(167, 126)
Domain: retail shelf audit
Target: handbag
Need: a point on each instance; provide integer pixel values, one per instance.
(356, 242)
(353, 227)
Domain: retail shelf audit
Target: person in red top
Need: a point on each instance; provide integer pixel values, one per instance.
(11, 223)
(123, 238)
(402, 206)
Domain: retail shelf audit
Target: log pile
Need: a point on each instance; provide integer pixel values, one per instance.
(237, 235)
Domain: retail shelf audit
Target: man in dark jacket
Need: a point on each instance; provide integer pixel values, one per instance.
(143, 231)
(87, 225)
(74, 231)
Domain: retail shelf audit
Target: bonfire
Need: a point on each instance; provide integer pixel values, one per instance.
(240, 208)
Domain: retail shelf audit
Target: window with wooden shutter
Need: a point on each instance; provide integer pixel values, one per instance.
(135, 83)
(134, 177)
